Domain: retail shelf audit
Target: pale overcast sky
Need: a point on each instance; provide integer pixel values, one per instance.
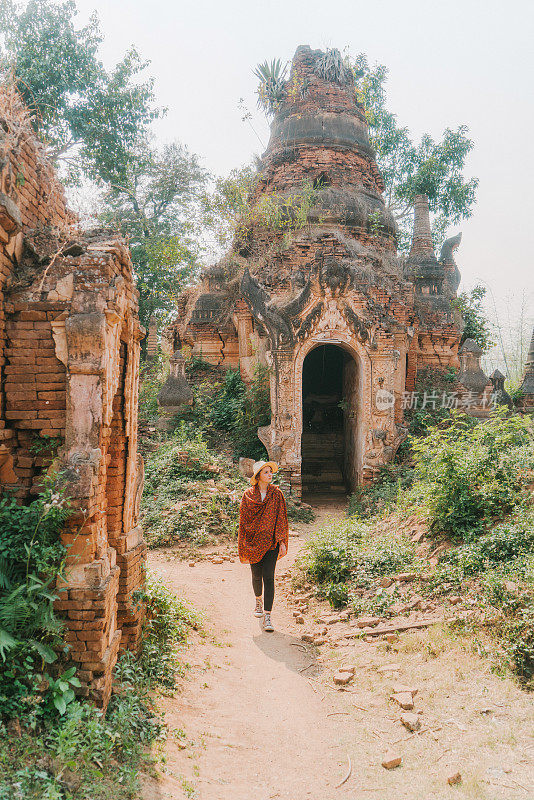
(450, 63)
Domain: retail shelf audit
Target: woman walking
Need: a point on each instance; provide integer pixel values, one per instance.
(263, 535)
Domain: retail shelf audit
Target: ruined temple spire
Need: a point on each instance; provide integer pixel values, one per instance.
(422, 244)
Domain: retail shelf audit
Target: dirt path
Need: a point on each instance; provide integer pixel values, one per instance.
(258, 717)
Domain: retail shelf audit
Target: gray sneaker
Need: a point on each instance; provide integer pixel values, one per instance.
(258, 611)
(267, 624)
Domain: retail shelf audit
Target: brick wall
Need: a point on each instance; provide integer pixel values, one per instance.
(69, 369)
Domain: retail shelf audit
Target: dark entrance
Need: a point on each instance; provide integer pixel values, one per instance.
(329, 421)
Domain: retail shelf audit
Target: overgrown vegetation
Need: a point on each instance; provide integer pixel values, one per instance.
(53, 745)
(497, 570)
(190, 494)
(383, 494)
(226, 410)
(233, 206)
(469, 473)
(472, 486)
(271, 90)
(31, 558)
(430, 405)
(346, 559)
(476, 323)
(80, 753)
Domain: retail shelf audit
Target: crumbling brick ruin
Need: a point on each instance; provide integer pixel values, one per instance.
(342, 322)
(69, 370)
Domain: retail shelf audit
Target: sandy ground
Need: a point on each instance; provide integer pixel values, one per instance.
(257, 716)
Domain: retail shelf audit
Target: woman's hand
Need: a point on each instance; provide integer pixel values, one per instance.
(282, 551)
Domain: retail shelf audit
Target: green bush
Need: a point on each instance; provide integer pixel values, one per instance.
(31, 558)
(232, 407)
(167, 622)
(507, 546)
(469, 472)
(382, 495)
(350, 555)
(84, 754)
(517, 632)
(178, 503)
(497, 568)
(152, 377)
(432, 382)
(299, 513)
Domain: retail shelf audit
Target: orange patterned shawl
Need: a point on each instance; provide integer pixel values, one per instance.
(262, 524)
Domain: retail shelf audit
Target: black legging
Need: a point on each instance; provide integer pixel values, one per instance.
(263, 577)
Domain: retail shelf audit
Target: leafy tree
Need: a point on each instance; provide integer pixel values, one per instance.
(225, 207)
(155, 207)
(477, 325)
(97, 127)
(434, 168)
(91, 118)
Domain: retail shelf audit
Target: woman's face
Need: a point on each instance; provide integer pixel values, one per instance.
(265, 474)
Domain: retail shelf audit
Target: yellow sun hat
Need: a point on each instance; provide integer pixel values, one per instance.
(259, 465)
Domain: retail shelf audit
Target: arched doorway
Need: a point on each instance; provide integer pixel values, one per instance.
(329, 421)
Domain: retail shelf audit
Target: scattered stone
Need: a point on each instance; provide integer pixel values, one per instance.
(319, 640)
(192, 563)
(342, 678)
(405, 625)
(391, 760)
(411, 721)
(389, 668)
(400, 688)
(454, 600)
(405, 576)
(404, 699)
(386, 582)
(367, 622)
(307, 637)
(299, 619)
(294, 533)
(391, 638)
(296, 614)
(414, 603)
(454, 778)
(348, 668)
(217, 560)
